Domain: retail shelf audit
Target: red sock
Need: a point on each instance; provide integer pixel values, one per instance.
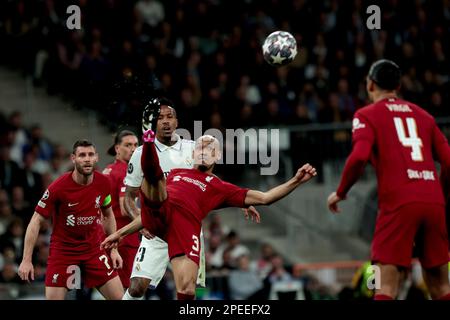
(380, 297)
(150, 163)
(445, 297)
(182, 296)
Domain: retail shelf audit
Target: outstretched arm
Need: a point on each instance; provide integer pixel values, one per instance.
(112, 240)
(353, 169)
(354, 166)
(26, 270)
(255, 197)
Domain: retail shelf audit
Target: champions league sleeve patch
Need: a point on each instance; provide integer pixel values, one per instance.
(45, 195)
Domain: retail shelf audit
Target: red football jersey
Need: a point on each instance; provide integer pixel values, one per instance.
(197, 193)
(75, 212)
(116, 173)
(404, 139)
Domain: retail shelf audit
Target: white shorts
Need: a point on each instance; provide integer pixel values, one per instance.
(152, 260)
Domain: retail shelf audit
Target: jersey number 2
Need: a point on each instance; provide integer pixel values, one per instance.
(412, 140)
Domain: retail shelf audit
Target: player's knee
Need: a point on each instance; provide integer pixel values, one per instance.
(187, 285)
(137, 287)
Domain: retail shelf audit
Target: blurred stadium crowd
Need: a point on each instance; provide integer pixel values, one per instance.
(206, 56)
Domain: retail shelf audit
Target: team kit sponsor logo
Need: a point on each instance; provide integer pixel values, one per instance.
(80, 221)
(45, 195)
(195, 182)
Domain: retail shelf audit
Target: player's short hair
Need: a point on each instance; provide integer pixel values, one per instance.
(386, 74)
(163, 101)
(118, 140)
(208, 138)
(82, 143)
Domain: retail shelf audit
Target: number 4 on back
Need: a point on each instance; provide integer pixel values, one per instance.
(412, 141)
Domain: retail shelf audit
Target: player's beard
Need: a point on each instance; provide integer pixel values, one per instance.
(205, 167)
(84, 172)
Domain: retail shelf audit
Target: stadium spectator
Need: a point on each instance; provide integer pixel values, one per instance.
(9, 170)
(152, 33)
(263, 265)
(20, 137)
(32, 181)
(9, 273)
(214, 256)
(278, 273)
(13, 238)
(243, 282)
(5, 211)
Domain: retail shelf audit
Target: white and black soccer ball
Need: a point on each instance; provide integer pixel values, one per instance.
(279, 48)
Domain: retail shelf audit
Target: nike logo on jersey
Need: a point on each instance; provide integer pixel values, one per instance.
(110, 273)
(72, 204)
(209, 178)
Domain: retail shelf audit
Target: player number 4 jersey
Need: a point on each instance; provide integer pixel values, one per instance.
(404, 139)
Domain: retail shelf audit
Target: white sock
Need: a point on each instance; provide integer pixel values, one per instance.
(127, 296)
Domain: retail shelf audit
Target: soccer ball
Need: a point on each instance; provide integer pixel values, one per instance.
(279, 48)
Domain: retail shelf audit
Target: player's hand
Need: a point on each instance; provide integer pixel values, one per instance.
(252, 213)
(332, 201)
(146, 233)
(26, 271)
(112, 241)
(305, 173)
(116, 259)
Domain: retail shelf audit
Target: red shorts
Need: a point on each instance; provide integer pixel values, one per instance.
(67, 269)
(183, 236)
(128, 255)
(179, 229)
(419, 225)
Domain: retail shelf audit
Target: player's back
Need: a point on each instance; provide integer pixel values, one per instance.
(402, 152)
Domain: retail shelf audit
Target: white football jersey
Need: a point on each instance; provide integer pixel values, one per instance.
(177, 156)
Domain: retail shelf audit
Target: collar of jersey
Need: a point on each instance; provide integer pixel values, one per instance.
(162, 147)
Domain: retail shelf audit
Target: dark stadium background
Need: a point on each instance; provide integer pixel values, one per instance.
(59, 85)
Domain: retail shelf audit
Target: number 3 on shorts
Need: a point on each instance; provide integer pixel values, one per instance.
(195, 246)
